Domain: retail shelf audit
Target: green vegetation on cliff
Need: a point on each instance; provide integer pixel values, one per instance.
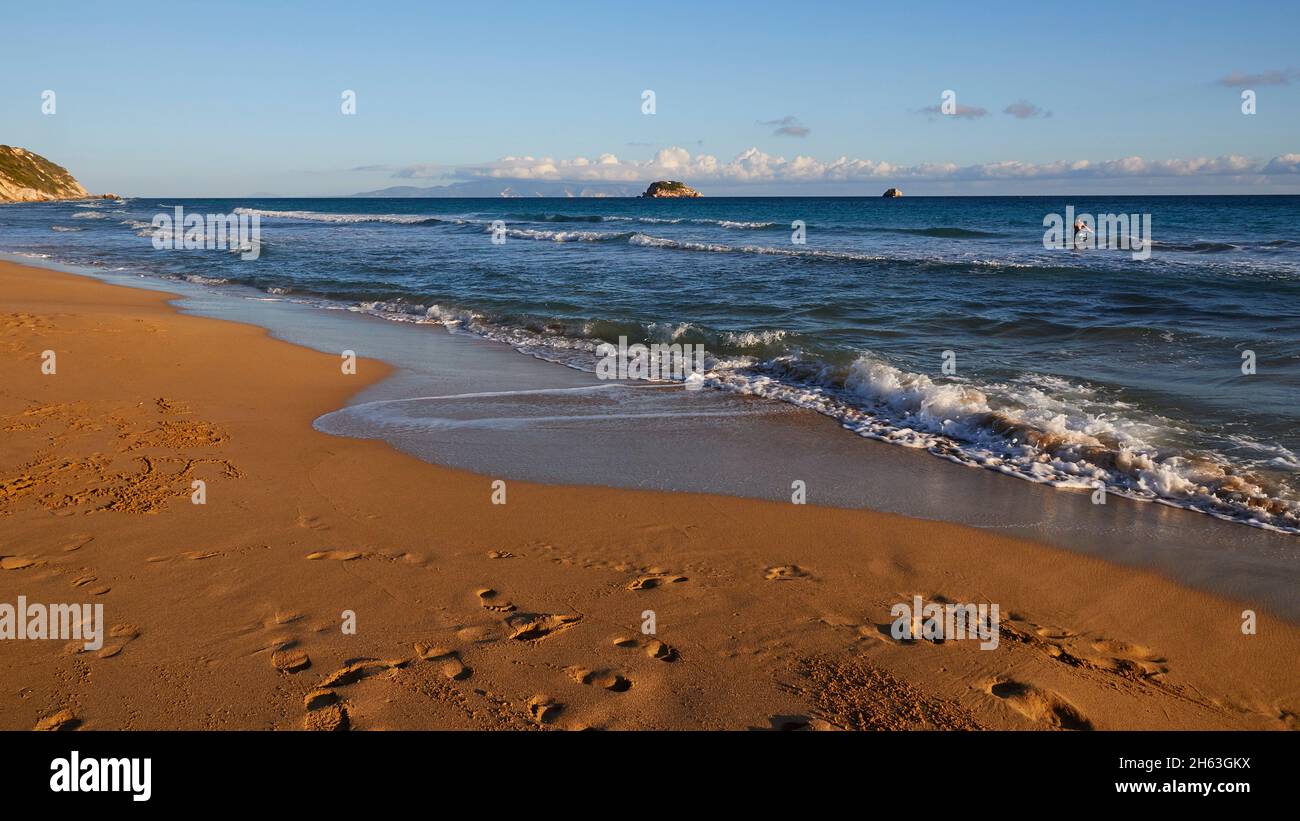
(28, 177)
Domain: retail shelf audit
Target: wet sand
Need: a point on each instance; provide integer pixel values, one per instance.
(522, 615)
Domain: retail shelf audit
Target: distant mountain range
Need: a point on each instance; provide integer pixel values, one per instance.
(509, 188)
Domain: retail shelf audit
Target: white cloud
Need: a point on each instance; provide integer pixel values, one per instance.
(787, 126)
(755, 166)
(1274, 77)
(1025, 110)
(1285, 164)
(965, 112)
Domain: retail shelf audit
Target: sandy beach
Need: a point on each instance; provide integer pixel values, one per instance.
(234, 614)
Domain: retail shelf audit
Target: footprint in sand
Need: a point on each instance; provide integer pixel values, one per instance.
(797, 723)
(491, 600)
(786, 572)
(317, 699)
(480, 633)
(451, 665)
(651, 582)
(1130, 661)
(361, 668)
(1056, 633)
(1123, 657)
(62, 720)
(330, 718)
(454, 669)
(607, 679)
(538, 626)
(657, 649)
(122, 635)
(543, 710)
(290, 660)
(325, 710)
(432, 652)
(654, 648)
(1042, 706)
(77, 542)
(334, 555)
(887, 632)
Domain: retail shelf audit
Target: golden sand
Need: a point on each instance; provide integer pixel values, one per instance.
(524, 615)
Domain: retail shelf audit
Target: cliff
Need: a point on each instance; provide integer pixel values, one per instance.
(28, 177)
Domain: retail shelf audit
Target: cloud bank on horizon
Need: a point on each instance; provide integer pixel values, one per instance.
(754, 166)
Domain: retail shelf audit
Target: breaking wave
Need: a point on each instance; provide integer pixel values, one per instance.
(1038, 428)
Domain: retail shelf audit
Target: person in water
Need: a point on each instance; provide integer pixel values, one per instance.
(1080, 230)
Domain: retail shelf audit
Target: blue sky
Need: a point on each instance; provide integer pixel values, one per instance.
(234, 98)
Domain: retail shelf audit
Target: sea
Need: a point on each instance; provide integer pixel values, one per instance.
(942, 324)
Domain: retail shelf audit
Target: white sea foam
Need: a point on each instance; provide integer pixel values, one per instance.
(737, 224)
(1040, 428)
(650, 241)
(644, 220)
(416, 219)
(752, 339)
(563, 236)
(345, 219)
(731, 224)
(1020, 434)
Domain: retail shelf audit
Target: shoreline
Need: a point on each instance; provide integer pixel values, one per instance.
(1151, 430)
(540, 436)
(214, 608)
(513, 416)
